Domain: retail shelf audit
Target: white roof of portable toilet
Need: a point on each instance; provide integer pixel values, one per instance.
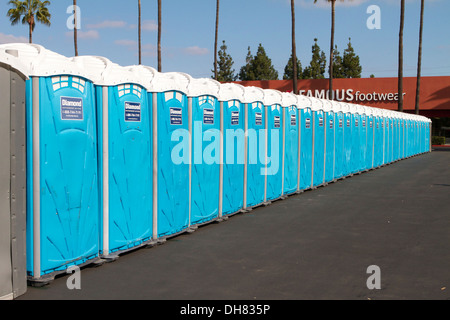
(316, 104)
(231, 91)
(143, 74)
(271, 97)
(94, 66)
(169, 81)
(303, 102)
(327, 105)
(203, 86)
(337, 106)
(288, 99)
(41, 62)
(253, 94)
(9, 57)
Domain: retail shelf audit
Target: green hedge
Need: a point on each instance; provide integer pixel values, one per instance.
(436, 140)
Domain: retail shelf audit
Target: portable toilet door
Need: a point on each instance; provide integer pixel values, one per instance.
(348, 137)
(401, 134)
(205, 171)
(255, 152)
(275, 122)
(329, 141)
(291, 143)
(13, 179)
(306, 146)
(378, 147)
(172, 153)
(319, 142)
(396, 143)
(362, 138)
(388, 138)
(125, 129)
(232, 151)
(356, 143)
(370, 138)
(62, 172)
(339, 152)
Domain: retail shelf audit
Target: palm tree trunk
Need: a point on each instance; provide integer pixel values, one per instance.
(294, 52)
(419, 61)
(75, 32)
(215, 41)
(400, 57)
(30, 30)
(139, 32)
(330, 92)
(159, 35)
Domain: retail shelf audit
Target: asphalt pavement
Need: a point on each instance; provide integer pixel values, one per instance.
(379, 235)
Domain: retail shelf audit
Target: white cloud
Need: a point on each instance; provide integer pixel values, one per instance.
(147, 25)
(108, 24)
(9, 38)
(91, 34)
(195, 51)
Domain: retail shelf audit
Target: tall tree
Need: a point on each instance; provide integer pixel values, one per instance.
(139, 32)
(159, 36)
(338, 64)
(246, 72)
(330, 89)
(419, 60)
(258, 67)
(215, 39)
(317, 66)
(350, 62)
(400, 57)
(75, 32)
(224, 71)
(262, 66)
(294, 52)
(289, 70)
(29, 11)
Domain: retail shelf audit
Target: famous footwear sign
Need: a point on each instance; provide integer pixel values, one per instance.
(374, 92)
(352, 95)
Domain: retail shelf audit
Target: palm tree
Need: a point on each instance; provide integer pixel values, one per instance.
(159, 35)
(419, 61)
(215, 41)
(330, 89)
(75, 35)
(294, 53)
(139, 32)
(29, 11)
(400, 57)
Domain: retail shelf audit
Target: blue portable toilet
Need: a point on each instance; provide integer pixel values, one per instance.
(355, 138)
(255, 148)
(362, 138)
(318, 142)
(306, 144)
(205, 170)
(378, 138)
(388, 137)
(339, 151)
(62, 175)
(125, 154)
(347, 169)
(396, 138)
(401, 136)
(329, 140)
(291, 143)
(370, 128)
(274, 145)
(233, 138)
(172, 153)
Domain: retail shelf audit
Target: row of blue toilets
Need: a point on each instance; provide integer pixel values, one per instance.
(125, 157)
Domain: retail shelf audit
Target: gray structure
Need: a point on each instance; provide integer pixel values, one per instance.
(13, 279)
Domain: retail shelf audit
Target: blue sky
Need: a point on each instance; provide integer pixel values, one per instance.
(108, 28)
